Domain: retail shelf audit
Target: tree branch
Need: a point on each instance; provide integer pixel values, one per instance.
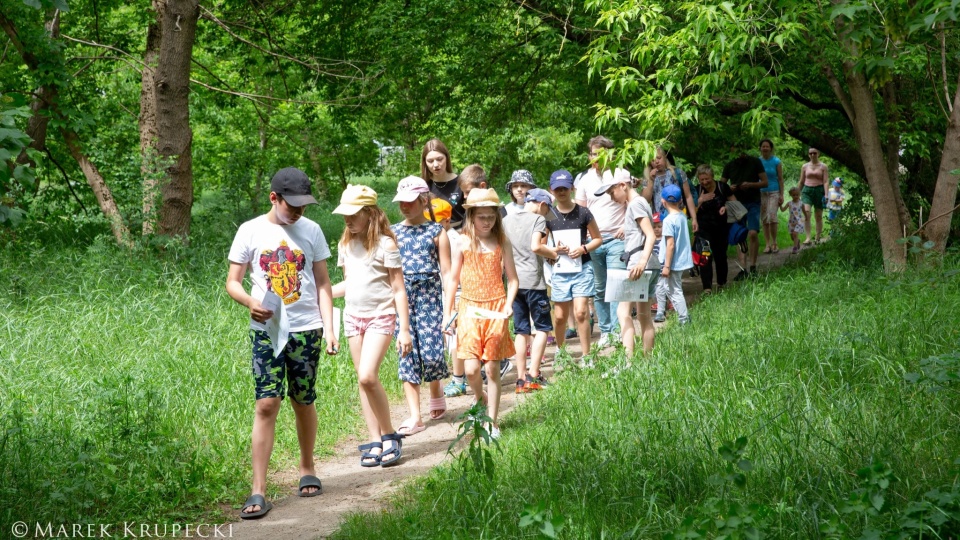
(839, 92)
(815, 105)
(944, 214)
(130, 58)
(276, 57)
(67, 180)
(571, 32)
(208, 15)
(943, 66)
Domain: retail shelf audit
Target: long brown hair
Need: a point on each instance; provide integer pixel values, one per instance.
(497, 231)
(377, 225)
(433, 145)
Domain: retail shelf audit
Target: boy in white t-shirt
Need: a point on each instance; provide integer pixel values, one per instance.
(286, 255)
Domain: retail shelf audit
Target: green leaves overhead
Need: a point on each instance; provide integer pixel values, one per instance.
(664, 62)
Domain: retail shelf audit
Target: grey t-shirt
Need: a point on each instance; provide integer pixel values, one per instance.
(633, 237)
(520, 228)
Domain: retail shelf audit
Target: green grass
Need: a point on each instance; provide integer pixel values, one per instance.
(808, 364)
(125, 386)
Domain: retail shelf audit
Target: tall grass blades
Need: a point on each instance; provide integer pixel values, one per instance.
(804, 367)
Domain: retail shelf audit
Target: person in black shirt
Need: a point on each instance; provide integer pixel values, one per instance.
(712, 216)
(437, 170)
(573, 290)
(745, 175)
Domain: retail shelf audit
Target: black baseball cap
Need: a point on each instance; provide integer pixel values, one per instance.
(293, 185)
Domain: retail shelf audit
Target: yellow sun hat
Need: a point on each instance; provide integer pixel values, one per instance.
(354, 198)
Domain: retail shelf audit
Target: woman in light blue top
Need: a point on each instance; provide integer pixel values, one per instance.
(771, 197)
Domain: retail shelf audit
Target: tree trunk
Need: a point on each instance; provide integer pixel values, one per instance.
(945, 194)
(99, 186)
(893, 148)
(178, 25)
(150, 169)
(44, 99)
(867, 131)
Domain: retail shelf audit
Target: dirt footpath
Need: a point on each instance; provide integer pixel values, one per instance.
(348, 487)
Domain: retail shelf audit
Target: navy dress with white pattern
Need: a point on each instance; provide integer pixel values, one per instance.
(421, 276)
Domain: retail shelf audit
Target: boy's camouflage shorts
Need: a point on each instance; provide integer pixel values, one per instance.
(296, 364)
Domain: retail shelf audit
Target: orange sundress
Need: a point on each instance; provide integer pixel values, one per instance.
(482, 286)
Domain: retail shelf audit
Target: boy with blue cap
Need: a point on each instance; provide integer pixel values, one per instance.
(674, 254)
(526, 231)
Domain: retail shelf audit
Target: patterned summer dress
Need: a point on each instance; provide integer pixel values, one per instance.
(421, 278)
(796, 216)
(485, 339)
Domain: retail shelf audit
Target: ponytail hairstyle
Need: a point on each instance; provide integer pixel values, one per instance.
(425, 198)
(377, 226)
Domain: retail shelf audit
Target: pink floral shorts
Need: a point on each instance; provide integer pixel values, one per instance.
(357, 326)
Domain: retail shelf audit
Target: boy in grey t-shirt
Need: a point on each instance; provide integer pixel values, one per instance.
(527, 231)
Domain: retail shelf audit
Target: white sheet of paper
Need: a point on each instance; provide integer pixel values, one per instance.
(621, 289)
(278, 326)
(564, 264)
(480, 313)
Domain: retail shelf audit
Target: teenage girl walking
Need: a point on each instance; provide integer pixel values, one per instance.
(374, 301)
(485, 255)
(425, 256)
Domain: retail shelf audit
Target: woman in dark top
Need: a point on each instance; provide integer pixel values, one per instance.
(712, 217)
(437, 170)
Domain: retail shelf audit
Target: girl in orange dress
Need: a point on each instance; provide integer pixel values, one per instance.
(485, 256)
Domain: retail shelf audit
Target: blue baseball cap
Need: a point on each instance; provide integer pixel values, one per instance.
(542, 196)
(671, 193)
(561, 179)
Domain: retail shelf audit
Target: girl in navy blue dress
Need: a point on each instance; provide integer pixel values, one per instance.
(425, 255)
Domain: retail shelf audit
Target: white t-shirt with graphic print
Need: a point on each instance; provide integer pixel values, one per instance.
(281, 257)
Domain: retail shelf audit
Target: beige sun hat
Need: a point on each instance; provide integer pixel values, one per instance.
(354, 198)
(480, 197)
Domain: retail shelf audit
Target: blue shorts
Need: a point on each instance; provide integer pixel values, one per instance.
(531, 303)
(566, 287)
(753, 216)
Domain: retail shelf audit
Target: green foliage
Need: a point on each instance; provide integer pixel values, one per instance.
(541, 518)
(936, 515)
(13, 176)
(724, 516)
(477, 459)
(938, 372)
(664, 64)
